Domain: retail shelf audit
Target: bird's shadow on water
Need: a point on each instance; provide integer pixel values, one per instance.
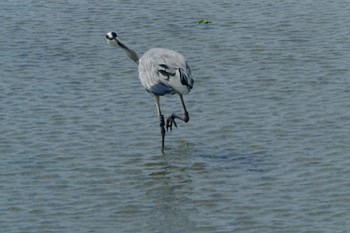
(187, 153)
(172, 178)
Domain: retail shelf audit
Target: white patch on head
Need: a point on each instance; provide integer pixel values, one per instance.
(111, 38)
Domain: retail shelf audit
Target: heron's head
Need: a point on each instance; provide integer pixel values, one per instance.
(112, 39)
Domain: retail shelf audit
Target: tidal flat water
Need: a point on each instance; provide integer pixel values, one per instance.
(266, 149)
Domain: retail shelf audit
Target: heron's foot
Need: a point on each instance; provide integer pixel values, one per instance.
(170, 122)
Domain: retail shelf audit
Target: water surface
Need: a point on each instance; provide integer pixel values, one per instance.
(266, 148)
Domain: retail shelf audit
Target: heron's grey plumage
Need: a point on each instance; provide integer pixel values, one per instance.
(161, 72)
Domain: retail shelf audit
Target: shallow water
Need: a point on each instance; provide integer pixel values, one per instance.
(266, 148)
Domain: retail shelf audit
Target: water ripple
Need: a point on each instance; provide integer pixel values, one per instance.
(265, 149)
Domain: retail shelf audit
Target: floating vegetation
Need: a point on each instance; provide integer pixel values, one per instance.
(203, 21)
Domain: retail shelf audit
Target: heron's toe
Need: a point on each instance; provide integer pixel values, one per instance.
(170, 122)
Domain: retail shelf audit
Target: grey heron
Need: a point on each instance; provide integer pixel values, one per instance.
(161, 72)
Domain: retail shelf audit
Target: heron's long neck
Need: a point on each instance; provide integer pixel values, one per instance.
(131, 53)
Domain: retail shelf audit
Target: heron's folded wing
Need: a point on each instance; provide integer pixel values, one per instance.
(185, 77)
(166, 71)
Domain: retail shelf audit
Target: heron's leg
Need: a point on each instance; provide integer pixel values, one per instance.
(171, 119)
(161, 120)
